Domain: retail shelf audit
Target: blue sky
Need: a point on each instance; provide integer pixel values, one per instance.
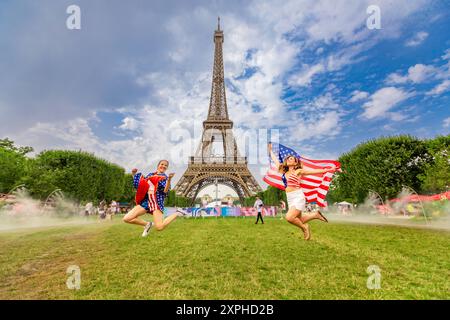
(133, 84)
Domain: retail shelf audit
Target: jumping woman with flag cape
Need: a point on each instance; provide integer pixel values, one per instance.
(150, 194)
(291, 171)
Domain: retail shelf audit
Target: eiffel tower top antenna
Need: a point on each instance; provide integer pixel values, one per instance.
(218, 110)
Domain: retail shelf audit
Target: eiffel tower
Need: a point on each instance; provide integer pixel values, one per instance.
(217, 158)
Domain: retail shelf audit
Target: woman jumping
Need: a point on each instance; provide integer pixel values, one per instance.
(153, 201)
(292, 169)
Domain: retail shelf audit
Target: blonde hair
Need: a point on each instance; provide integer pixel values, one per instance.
(283, 168)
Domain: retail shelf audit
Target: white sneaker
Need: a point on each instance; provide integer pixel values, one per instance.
(147, 229)
(181, 212)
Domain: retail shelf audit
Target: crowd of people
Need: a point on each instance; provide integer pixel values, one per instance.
(104, 210)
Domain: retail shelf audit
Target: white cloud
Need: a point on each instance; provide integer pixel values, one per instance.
(396, 116)
(318, 126)
(76, 131)
(446, 55)
(419, 73)
(416, 74)
(331, 63)
(358, 96)
(319, 119)
(305, 77)
(440, 88)
(143, 151)
(129, 123)
(382, 101)
(446, 122)
(418, 38)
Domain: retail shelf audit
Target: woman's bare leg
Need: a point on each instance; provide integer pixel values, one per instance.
(305, 217)
(133, 216)
(160, 222)
(292, 218)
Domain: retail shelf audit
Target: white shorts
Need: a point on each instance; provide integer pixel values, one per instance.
(296, 199)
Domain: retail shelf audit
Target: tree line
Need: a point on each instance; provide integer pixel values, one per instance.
(80, 175)
(386, 164)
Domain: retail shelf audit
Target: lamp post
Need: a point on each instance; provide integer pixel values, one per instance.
(216, 183)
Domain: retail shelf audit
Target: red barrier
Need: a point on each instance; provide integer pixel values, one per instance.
(423, 198)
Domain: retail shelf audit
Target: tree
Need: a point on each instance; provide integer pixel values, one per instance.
(436, 175)
(128, 192)
(13, 164)
(79, 175)
(383, 165)
(7, 144)
(172, 200)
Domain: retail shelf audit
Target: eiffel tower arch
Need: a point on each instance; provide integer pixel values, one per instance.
(217, 159)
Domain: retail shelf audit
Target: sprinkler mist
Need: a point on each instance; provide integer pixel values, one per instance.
(52, 197)
(406, 209)
(418, 198)
(375, 198)
(16, 189)
(18, 210)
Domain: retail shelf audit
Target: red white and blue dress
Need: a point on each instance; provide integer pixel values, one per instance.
(152, 197)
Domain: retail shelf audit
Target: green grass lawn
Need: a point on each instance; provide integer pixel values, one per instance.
(228, 258)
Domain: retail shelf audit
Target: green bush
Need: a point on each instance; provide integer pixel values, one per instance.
(80, 175)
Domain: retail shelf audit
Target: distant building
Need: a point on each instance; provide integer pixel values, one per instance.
(229, 199)
(206, 198)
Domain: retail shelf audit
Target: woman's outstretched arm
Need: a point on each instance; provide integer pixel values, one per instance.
(274, 158)
(314, 171)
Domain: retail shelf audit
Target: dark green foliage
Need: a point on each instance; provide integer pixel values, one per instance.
(13, 164)
(172, 200)
(79, 175)
(436, 175)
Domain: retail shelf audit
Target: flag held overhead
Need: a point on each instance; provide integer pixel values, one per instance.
(314, 186)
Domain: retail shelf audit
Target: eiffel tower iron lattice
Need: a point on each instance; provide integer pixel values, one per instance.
(212, 164)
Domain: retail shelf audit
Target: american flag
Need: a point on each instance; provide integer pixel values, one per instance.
(315, 187)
